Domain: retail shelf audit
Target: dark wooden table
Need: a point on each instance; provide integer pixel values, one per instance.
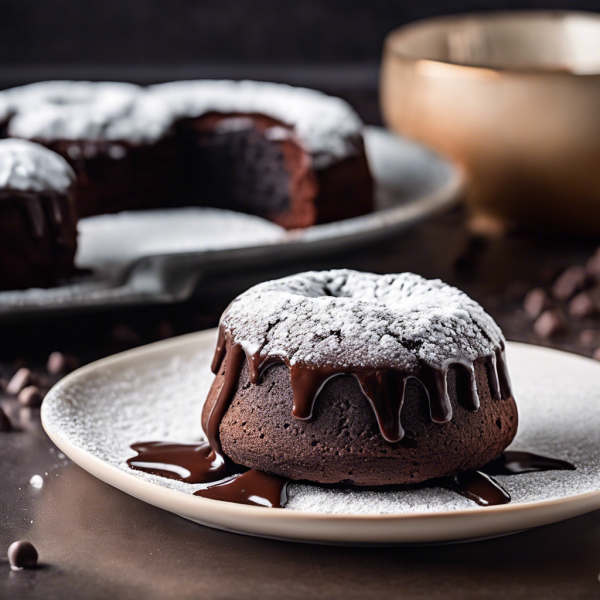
(96, 542)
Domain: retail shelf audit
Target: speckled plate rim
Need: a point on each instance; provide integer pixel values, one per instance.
(304, 526)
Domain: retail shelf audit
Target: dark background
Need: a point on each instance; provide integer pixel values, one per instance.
(324, 43)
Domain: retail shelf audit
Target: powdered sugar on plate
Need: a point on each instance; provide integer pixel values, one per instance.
(352, 319)
(160, 397)
(110, 241)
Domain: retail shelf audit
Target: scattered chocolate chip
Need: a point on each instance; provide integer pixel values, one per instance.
(22, 555)
(31, 396)
(582, 305)
(122, 335)
(549, 324)
(21, 379)
(569, 282)
(536, 302)
(596, 355)
(5, 424)
(590, 338)
(59, 363)
(165, 330)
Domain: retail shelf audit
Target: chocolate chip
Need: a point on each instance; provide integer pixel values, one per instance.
(59, 363)
(122, 335)
(596, 355)
(5, 424)
(536, 302)
(21, 379)
(590, 338)
(3, 384)
(550, 323)
(22, 555)
(569, 282)
(582, 305)
(31, 396)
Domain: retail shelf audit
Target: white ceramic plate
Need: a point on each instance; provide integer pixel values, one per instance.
(156, 392)
(412, 184)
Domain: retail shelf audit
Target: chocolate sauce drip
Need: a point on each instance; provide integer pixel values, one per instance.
(195, 463)
(219, 351)
(306, 385)
(433, 381)
(46, 215)
(477, 486)
(383, 388)
(482, 488)
(503, 377)
(515, 463)
(57, 214)
(35, 212)
(192, 463)
(492, 372)
(385, 392)
(471, 401)
(234, 355)
(252, 487)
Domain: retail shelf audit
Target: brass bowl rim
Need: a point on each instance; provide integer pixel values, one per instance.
(391, 41)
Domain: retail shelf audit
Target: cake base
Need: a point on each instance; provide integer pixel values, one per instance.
(342, 442)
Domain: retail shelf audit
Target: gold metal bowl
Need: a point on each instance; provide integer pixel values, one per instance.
(515, 99)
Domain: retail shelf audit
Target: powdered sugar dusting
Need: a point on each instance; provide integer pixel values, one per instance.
(83, 110)
(328, 125)
(75, 110)
(161, 396)
(113, 241)
(29, 167)
(352, 319)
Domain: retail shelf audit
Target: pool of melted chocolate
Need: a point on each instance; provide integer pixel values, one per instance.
(197, 463)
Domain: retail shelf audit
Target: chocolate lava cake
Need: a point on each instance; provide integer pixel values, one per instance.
(348, 377)
(37, 219)
(291, 155)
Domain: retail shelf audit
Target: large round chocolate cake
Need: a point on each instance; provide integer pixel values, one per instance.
(290, 155)
(37, 218)
(341, 376)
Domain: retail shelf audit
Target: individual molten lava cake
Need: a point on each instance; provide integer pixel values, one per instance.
(348, 377)
(37, 219)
